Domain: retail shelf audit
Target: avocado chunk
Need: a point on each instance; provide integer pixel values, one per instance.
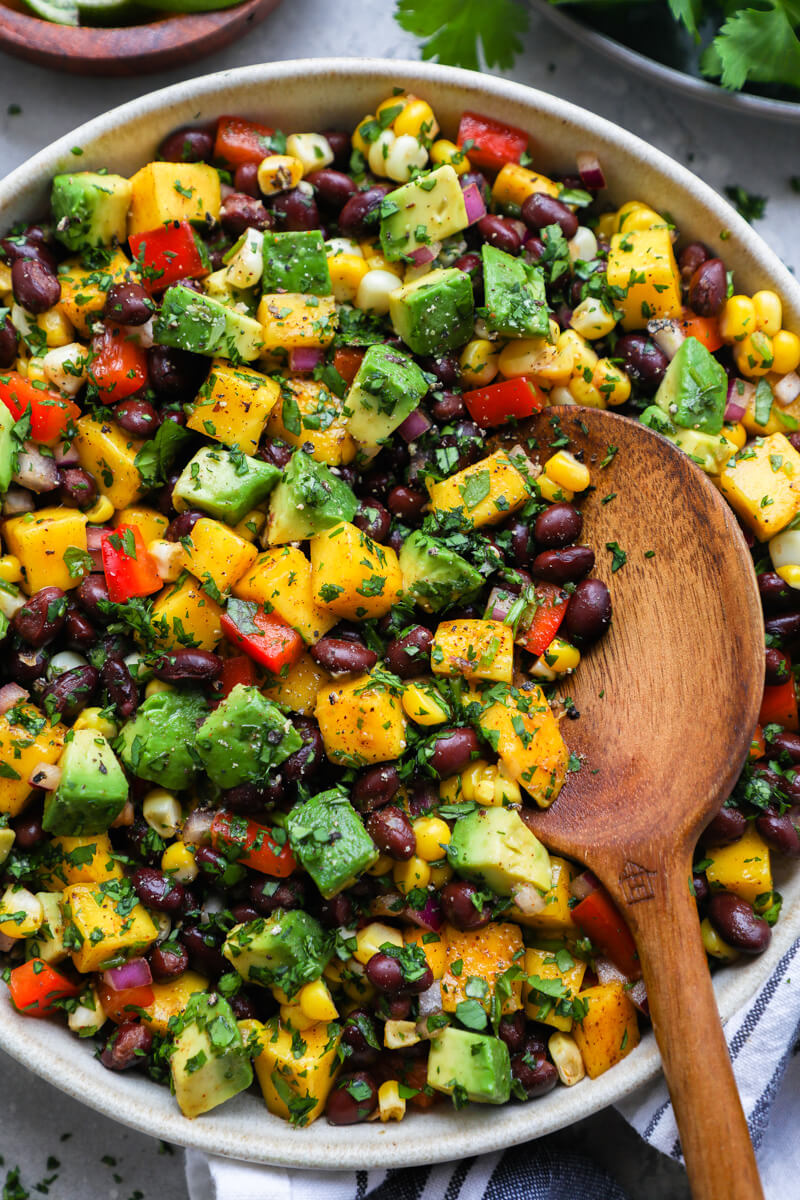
(428, 209)
(209, 1062)
(296, 262)
(329, 840)
(694, 389)
(225, 483)
(435, 313)
(308, 500)
(388, 387)
(475, 1064)
(285, 950)
(92, 790)
(159, 742)
(8, 449)
(710, 451)
(243, 739)
(494, 846)
(515, 304)
(90, 210)
(202, 325)
(434, 576)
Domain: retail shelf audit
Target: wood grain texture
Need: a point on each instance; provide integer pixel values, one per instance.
(668, 702)
(170, 41)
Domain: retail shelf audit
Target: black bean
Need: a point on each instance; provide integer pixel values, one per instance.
(177, 665)
(690, 259)
(558, 526)
(268, 895)
(353, 1099)
(644, 361)
(202, 945)
(533, 249)
(25, 666)
(118, 682)
(536, 1073)
(127, 1047)
(737, 923)
(500, 232)
(472, 264)
(781, 831)
(391, 831)
(339, 657)
(211, 862)
(774, 592)
(728, 826)
(373, 519)
(424, 797)
(187, 145)
(453, 751)
(295, 211)
(375, 787)
(410, 654)
(512, 1031)
(337, 911)
(588, 614)
(244, 1007)
(245, 179)
(385, 973)
(522, 543)
(541, 210)
(516, 579)
(157, 890)
(785, 626)
(137, 417)
(168, 961)
(71, 691)
(777, 667)
(700, 887)
(35, 286)
(358, 1033)
(277, 453)
(406, 503)
(8, 343)
(244, 913)
(93, 591)
(77, 488)
(175, 374)
(445, 367)
(41, 618)
(182, 525)
(786, 743)
(79, 631)
(334, 188)
(563, 566)
(341, 146)
(708, 288)
(128, 304)
(460, 908)
(246, 798)
(448, 407)
(240, 212)
(361, 212)
(415, 987)
(16, 249)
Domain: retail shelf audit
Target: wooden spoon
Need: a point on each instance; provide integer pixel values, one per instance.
(668, 702)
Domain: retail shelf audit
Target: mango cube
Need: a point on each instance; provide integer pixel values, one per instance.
(351, 575)
(555, 919)
(296, 1075)
(474, 650)
(542, 1006)
(433, 946)
(167, 191)
(83, 289)
(170, 999)
(480, 956)
(514, 184)
(149, 521)
(742, 868)
(182, 611)
(299, 689)
(642, 263)
(216, 556)
(26, 739)
(40, 539)
(233, 405)
(309, 415)
(88, 859)
(280, 579)
(109, 454)
(485, 493)
(762, 484)
(361, 722)
(109, 922)
(529, 741)
(292, 321)
(609, 1031)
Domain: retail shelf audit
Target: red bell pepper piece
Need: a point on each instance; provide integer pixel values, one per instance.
(493, 143)
(119, 366)
(779, 706)
(50, 414)
(256, 845)
(599, 918)
(169, 253)
(235, 670)
(758, 746)
(239, 141)
(347, 360)
(495, 404)
(264, 636)
(705, 329)
(129, 569)
(124, 1005)
(550, 612)
(36, 988)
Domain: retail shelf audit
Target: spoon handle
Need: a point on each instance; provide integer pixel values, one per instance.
(716, 1143)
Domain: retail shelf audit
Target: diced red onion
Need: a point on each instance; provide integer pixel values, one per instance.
(427, 917)
(197, 827)
(46, 776)
(66, 455)
(521, 228)
(590, 171)
(583, 885)
(6, 943)
(667, 335)
(18, 500)
(787, 389)
(126, 816)
(226, 190)
(429, 1002)
(305, 358)
(474, 203)
(423, 255)
(11, 694)
(739, 395)
(529, 900)
(94, 545)
(608, 972)
(36, 471)
(499, 604)
(415, 424)
(141, 334)
(133, 974)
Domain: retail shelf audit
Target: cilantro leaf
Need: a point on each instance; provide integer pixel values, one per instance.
(758, 45)
(155, 457)
(453, 29)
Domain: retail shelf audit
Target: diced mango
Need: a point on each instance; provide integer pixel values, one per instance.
(281, 580)
(83, 289)
(536, 757)
(233, 405)
(40, 539)
(170, 999)
(216, 556)
(481, 955)
(433, 946)
(762, 484)
(108, 454)
(642, 263)
(609, 1031)
(541, 1006)
(298, 691)
(743, 867)
(474, 650)
(291, 1070)
(26, 739)
(168, 191)
(185, 610)
(351, 575)
(108, 925)
(556, 916)
(88, 859)
(486, 493)
(514, 184)
(361, 722)
(150, 523)
(292, 321)
(311, 416)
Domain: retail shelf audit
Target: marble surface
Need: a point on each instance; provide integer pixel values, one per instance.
(99, 1160)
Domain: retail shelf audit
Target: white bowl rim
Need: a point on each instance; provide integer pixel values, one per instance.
(233, 1130)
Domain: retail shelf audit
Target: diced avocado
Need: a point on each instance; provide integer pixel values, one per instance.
(209, 1062)
(158, 743)
(90, 210)
(190, 321)
(435, 313)
(515, 302)
(474, 1064)
(694, 389)
(710, 451)
(428, 209)
(296, 262)
(285, 950)
(243, 739)
(92, 790)
(8, 448)
(308, 500)
(494, 846)
(388, 386)
(225, 483)
(329, 840)
(433, 576)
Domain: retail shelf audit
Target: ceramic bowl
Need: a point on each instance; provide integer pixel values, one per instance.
(331, 93)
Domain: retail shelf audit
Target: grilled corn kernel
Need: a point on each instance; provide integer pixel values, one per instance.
(391, 1105)
(753, 355)
(178, 861)
(316, 1001)
(611, 381)
(416, 119)
(94, 718)
(737, 319)
(431, 835)
(592, 319)
(279, 173)
(413, 873)
(479, 362)
(551, 491)
(487, 784)
(585, 393)
(769, 312)
(424, 705)
(566, 1058)
(445, 152)
(382, 865)
(56, 326)
(155, 686)
(347, 271)
(162, 812)
(785, 352)
(736, 434)
(10, 569)
(565, 470)
(101, 511)
(714, 944)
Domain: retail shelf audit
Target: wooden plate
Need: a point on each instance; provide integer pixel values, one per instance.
(169, 41)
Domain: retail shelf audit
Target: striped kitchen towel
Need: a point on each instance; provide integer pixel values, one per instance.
(761, 1038)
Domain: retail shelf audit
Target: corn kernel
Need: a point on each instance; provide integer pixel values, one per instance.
(156, 686)
(162, 812)
(93, 718)
(790, 575)
(431, 835)
(561, 656)
(382, 865)
(5, 279)
(359, 141)
(441, 873)
(566, 1057)
(178, 861)
(35, 370)
(21, 913)
(446, 152)
(370, 939)
(785, 352)
(56, 326)
(413, 873)
(592, 319)
(391, 1105)
(611, 381)
(585, 393)
(553, 492)
(769, 312)
(424, 705)
(736, 435)
(101, 511)
(565, 470)
(753, 355)
(479, 362)
(279, 173)
(737, 319)
(392, 106)
(316, 1001)
(584, 357)
(417, 120)
(311, 150)
(713, 943)
(347, 271)
(487, 784)
(607, 226)
(10, 569)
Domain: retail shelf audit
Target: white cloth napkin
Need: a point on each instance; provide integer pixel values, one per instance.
(762, 1040)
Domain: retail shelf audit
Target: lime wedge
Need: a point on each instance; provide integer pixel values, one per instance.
(60, 12)
(108, 12)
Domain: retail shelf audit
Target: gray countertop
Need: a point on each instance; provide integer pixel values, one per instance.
(99, 1159)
